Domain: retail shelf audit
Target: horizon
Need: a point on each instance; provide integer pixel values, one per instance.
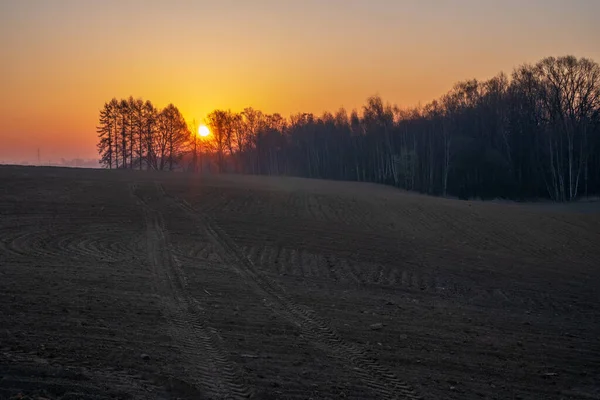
(285, 58)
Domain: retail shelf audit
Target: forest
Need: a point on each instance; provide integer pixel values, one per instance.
(532, 135)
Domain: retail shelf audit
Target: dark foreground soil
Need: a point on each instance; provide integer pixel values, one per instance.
(141, 285)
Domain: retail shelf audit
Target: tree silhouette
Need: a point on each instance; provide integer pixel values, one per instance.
(535, 133)
(140, 135)
(107, 133)
(218, 122)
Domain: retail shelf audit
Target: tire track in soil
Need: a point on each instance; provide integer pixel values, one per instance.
(200, 345)
(376, 377)
(275, 260)
(199, 250)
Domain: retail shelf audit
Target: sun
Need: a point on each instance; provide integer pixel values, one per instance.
(203, 131)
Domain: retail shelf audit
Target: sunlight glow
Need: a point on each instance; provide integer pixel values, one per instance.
(203, 131)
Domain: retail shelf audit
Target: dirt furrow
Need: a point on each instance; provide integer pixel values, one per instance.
(95, 242)
(377, 377)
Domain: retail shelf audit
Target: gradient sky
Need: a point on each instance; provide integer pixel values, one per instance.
(62, 59)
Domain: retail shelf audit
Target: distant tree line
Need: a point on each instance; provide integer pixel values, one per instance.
(533, 134)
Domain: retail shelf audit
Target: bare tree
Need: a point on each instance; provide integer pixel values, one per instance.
(107, 134)
(218, 125)
(571, 98)
(193, 140)
(150, 121)
(174, 134)
(124, 127)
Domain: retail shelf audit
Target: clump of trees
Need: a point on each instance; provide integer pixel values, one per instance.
(134, 134)
(533, 134)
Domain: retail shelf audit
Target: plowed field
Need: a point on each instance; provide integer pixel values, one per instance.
(135, 285)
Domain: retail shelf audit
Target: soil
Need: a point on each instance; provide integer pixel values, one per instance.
(137, 285)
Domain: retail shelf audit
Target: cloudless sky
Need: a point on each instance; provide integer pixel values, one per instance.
(62, 59)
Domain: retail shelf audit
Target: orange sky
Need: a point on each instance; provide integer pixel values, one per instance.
(62, 59)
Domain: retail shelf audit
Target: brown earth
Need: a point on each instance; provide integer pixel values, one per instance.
(142, 285)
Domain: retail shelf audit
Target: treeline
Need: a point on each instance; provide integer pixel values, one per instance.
(533, 134)
(134, 134)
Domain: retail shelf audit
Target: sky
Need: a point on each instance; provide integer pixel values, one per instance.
(62, 59)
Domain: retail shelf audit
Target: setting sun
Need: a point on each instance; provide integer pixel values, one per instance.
(203, 131)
